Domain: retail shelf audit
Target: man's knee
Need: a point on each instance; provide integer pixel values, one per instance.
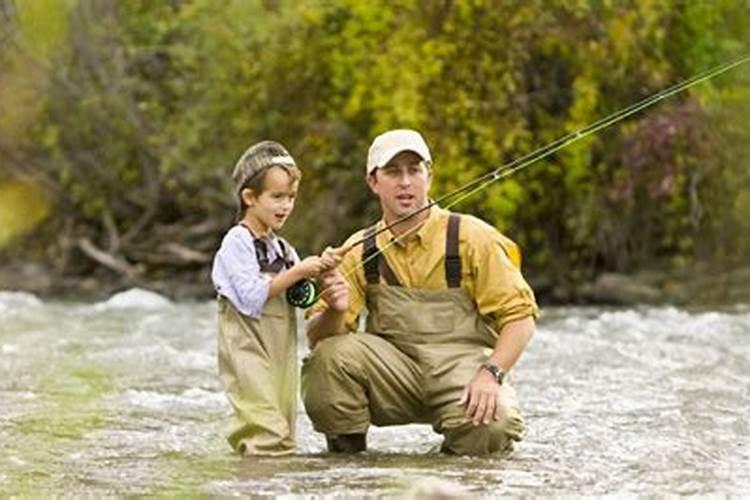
(328, 360)
(484, 439)
(331, 390)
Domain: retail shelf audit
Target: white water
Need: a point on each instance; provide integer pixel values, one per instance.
(121, 397)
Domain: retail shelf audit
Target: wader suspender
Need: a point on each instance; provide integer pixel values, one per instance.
(452, 258)
(261, 252)
(374, 267)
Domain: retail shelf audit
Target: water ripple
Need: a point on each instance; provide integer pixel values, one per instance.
(122, 398)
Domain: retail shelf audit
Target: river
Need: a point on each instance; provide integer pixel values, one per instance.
(121, 397)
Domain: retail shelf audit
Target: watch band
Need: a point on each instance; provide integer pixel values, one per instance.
(495, 370)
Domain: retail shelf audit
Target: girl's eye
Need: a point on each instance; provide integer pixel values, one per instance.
(281, 196)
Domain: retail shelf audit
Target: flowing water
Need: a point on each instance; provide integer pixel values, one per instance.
(122, 398)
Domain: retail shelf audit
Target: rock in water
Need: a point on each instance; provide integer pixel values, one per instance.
(137, 298)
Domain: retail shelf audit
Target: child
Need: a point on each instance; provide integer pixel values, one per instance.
(257, 326)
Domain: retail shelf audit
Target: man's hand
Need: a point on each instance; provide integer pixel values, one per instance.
(482, 399)
(335, 290)
(331, 321)
(331, 257)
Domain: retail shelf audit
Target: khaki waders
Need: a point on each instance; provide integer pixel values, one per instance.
(258, 368)
(422, 348)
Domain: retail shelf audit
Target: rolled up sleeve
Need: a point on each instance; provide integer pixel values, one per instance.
(502, 293)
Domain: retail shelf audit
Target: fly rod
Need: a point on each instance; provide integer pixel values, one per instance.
(538, 154)
(309, 294)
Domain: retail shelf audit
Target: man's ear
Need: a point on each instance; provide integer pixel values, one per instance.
(372, 182)
(248, 196)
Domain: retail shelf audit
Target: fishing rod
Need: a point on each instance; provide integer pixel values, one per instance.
(507, 169)
(575, 136)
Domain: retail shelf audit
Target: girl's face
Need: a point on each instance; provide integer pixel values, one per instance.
(270, 209)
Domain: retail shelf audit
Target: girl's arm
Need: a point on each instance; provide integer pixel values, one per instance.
(307, 268)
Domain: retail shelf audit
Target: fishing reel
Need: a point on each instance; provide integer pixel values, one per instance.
(303, 294)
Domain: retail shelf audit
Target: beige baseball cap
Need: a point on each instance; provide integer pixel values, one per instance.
(389, 144)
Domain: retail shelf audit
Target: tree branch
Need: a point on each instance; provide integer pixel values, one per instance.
(119, 265)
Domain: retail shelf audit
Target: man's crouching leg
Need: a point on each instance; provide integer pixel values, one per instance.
(485, 439)
(352, 380)
(333, 394)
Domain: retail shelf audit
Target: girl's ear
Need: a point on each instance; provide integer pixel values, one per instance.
(248, 196)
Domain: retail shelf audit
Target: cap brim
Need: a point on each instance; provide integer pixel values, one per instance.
(390, 154)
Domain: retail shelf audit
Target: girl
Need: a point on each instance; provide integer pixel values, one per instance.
(257, 326)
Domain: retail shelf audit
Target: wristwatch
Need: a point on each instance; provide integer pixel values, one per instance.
(495, 370)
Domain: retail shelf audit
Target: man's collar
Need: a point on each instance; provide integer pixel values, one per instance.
(421, 233)
(428, 224)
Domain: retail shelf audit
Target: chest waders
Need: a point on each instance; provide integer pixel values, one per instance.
(421, 349)
(258, 369)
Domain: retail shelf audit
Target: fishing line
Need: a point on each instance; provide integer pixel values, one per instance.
(528, 159)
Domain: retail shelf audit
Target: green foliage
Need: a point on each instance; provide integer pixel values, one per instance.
(147, 105)
(44, 25)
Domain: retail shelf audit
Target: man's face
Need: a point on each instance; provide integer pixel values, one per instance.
(401, 185)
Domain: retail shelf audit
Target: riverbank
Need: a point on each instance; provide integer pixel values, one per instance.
(45, 283)
(697, 285)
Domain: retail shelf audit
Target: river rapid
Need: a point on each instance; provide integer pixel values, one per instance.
(121, 397)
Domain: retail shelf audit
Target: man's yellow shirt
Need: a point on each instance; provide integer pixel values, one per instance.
(490, 268)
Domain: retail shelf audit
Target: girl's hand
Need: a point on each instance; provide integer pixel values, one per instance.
(310, 267)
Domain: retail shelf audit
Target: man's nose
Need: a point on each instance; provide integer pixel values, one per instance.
(404, 179)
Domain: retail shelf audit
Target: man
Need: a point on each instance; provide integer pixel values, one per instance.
(448, 315)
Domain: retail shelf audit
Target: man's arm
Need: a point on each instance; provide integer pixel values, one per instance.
(513, 339)
(332, 320)
(502, 294)
(323, 325)
(481, 395)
